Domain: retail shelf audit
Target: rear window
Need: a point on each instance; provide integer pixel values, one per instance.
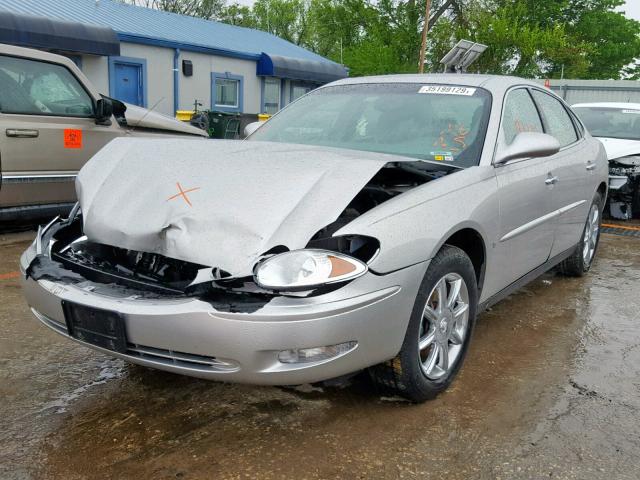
(621, 123)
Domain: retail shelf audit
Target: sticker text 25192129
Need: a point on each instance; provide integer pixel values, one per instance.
(447, 90)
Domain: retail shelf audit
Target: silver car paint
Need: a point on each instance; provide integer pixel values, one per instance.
(523, 202)
(411, 228)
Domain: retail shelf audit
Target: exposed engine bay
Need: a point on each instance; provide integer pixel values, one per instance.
(74, 258)
(624, 193)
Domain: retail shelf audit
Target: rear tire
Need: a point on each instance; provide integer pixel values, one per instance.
(438, 335)
(581, 260)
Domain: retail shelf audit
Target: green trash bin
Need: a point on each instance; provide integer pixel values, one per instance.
(224, 125)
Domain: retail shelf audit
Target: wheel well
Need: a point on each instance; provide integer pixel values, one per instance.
(470, 241)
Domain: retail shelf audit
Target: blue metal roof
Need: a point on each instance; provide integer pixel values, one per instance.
(144, 25)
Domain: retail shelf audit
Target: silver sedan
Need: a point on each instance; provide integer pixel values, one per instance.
(363, 227)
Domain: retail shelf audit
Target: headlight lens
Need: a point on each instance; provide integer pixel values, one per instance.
(304, 269)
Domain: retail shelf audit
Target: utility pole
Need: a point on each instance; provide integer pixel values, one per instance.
(423, 48)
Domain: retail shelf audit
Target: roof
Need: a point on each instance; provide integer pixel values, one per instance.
(144, 25)
(556, 82)
(623, 105)
(490, 82)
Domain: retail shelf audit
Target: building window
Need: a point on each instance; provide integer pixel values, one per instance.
(271, 95)
(298, 90)
(226, 92)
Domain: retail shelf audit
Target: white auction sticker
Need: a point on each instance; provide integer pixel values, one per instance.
(446, 90)
(635, 112)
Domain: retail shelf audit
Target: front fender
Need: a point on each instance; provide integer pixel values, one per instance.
(412, 227)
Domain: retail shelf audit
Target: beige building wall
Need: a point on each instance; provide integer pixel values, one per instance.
(159, 74)
(159, 84)
(199, 85)
(97, 70)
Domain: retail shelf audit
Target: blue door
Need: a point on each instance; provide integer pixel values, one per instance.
(128, 87)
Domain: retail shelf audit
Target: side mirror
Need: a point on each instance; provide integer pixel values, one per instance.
(104, 111)
(529, 145)
(251, 127)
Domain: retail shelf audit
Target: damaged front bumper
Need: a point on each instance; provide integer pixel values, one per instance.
(212, 339)
(624, 191)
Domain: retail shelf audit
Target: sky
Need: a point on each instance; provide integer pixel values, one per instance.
(632, 9)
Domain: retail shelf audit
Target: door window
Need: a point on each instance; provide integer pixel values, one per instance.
(271, 95)
(520, 115)
(40, 88)
(557, 121)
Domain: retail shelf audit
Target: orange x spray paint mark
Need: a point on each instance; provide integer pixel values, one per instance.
(183, 193)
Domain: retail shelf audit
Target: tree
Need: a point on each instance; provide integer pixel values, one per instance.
(209, 9)
(530, 38)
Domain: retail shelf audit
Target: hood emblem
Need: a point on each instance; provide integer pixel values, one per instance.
(183, 193)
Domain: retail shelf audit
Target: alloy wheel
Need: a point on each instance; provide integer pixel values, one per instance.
(444, 326)
(591, 231)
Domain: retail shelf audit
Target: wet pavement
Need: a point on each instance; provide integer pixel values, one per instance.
(550, 389)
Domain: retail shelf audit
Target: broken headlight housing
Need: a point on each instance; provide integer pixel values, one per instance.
(307, 269)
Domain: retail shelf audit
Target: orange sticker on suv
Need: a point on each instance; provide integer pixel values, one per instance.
(72, 138)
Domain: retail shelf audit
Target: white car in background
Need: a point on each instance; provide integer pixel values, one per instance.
(617, 126)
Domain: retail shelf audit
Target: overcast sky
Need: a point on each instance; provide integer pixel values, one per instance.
(633, 9)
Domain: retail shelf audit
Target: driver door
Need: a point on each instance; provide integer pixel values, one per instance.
(47, 132)
(526, 231)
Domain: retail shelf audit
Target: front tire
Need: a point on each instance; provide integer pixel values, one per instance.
(581, 260)
(439, 330)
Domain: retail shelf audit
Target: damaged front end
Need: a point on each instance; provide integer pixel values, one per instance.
(195, 320)
(200, 312)
(65, 254)
(624, 188)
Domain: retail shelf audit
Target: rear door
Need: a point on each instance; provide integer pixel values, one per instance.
(573, 167)
(525, 235)
(47, 132)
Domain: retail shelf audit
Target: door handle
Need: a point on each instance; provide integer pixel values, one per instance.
(551, 180)
(21, 133)
(590, 165)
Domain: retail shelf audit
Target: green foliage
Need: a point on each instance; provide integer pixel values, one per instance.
(530, 38)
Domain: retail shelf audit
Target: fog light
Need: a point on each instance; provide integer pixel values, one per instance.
(315, 354)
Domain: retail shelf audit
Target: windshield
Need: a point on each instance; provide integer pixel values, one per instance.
(442, 123)
(611, 122)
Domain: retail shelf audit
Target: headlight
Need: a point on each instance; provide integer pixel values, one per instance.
(305, 269)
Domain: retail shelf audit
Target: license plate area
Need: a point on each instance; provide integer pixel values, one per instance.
(102, 328)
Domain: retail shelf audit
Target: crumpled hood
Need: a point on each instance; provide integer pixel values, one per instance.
(138, 117)
(239, 200)
(619, 147)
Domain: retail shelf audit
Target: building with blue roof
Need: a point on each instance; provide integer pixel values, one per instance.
(168, 61)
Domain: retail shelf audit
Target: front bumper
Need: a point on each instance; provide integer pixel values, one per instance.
(189, 336)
